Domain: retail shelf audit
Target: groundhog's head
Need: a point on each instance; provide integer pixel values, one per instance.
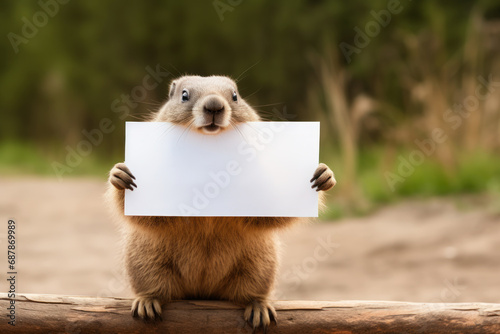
(206, 104)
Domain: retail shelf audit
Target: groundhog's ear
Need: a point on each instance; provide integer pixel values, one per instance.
(172, 89)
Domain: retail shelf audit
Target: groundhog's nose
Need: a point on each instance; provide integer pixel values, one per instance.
(213, 105)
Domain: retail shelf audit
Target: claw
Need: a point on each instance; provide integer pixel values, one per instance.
(259, 315)
(323, 178)
(121, 177)
(146, 308)
(124, 168)
(320, 170)
(273, 317)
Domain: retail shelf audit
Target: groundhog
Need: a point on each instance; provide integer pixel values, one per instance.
(225, 258)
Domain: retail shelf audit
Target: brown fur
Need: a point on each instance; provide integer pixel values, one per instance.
(229, 258)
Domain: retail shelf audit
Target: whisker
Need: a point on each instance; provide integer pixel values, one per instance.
(138, 117)
(159, 102)
(265, 118)
(188, 127)
(247, 96)
(242, 78)
(166, 130)
(258, 131)
(153, 103)
(238, 78)
(268, 105)
(175, 68)
(235, 126)
(264, 111)
(273, 115)
(141, 113)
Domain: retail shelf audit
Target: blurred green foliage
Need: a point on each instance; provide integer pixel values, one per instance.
(478, 172)
(65, 79)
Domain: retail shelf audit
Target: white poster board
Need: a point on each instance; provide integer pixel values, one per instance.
(257, 169)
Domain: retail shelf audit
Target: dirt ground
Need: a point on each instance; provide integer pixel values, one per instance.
(442, 250)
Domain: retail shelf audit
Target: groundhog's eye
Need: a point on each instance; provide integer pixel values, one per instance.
(185, 95)
(235, 97)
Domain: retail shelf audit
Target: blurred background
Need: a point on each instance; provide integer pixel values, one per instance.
(407, 92)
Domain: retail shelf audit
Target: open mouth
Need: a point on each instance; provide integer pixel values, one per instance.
(211, 128)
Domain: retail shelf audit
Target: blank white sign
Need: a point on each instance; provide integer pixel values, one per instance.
(258, 169)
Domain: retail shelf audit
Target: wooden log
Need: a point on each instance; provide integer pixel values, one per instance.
(70, 314)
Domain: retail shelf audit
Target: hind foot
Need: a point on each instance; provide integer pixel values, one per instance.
(146, 308)
(260, 314)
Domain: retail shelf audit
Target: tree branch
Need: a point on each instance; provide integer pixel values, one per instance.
(69, 314)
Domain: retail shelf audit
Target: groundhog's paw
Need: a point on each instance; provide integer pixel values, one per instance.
(260, 314)
(323, 178)
(121, 177)
(146, 308)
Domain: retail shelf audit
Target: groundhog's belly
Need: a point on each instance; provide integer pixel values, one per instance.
(205, 265)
